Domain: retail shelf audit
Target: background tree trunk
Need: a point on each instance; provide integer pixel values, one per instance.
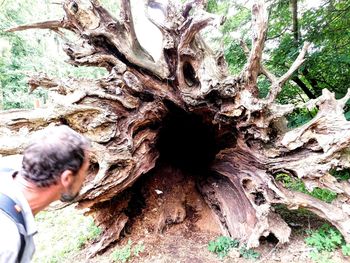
(296, 79)
(186, 128)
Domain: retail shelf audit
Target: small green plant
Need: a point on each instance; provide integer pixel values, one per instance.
(139, 248)
(323, 194)
(291, 183)
(346, 250)
(222, 246)
(300, 116)
(297, 184)
(71, 233)
(326, 238)
(341, 175)
(347, 115)
(123, 254)
(90, 234)
(249, 253)
(321, 257)
(127, 252)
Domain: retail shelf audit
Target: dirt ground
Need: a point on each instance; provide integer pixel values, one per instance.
(176, 225)
(171, 248)
(172, 221)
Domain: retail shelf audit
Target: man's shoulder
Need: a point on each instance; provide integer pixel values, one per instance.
(8, 226)
(10, 240)
(9, 188)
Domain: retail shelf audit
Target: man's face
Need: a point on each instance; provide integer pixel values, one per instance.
(73, 189)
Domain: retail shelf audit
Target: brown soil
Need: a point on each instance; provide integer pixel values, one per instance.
(171, 248)
(173, 205)
(175, 224)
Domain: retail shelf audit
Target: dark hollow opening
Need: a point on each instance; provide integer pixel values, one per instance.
(94, 167)
(186, 142)
(168, 198)
(271, 238)
(190, 74)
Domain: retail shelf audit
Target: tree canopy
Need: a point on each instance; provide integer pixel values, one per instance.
(325, 25)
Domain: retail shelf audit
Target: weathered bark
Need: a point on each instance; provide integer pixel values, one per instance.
(127, 114)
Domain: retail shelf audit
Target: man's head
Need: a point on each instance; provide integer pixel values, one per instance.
(57, 156)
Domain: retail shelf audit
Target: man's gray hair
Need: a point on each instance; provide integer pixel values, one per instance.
(52, 151)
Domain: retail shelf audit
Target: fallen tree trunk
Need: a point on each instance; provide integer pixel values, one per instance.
(184, 116)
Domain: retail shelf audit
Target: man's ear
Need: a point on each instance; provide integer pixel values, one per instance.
(67, 178)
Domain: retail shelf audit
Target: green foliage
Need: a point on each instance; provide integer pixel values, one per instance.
(291, 183)
(125, 253)
(234, 25)
(233, 51)
(323, 194)
(212, 6)
(223, 244)
(347, 115)
(264, 86)
(326, 26)
(218, 7)
(248, 253)
(300, 116)
(346, 250)
(27, 52)
(234, 56)
(15, 59)
(326, 238)
(297, 184)
(341, 175)
(91, 233)
(321, 257)
(61, 235)
(328, 29)
(12, 79)
(139, 248)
